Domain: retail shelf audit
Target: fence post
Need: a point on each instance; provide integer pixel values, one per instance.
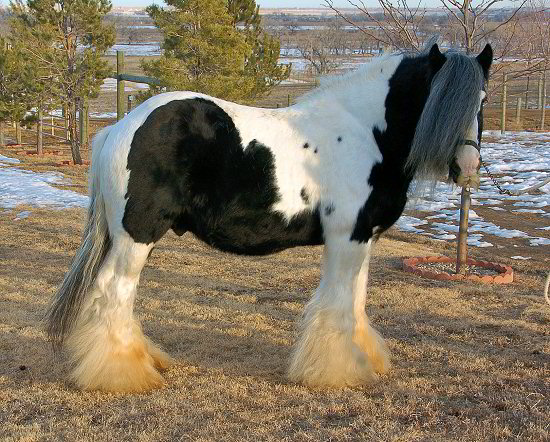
(66, 118)
(18, 132)
(503, 105)
(39, 145)
(539, 102)
(119, 85)
(543, 112)
(518, 111)
(288, 100)
(87, 115)
(130, 98)
(52, 123)
(2, 133)
(527, 93)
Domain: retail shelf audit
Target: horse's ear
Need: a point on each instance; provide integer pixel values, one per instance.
(485, 58)
(436, 57)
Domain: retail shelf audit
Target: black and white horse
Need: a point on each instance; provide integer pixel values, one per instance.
(333, 169)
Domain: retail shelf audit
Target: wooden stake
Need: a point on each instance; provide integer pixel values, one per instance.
(518, 112)
(462, 249)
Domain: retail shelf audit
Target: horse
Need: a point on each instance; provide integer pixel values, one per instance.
(332, 169)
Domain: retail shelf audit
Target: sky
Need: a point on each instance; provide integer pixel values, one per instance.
(272, 3)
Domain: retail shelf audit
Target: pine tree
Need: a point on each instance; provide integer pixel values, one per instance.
(64, 41)
(13, 81)
(215, 47)
(262, 64)
(202, 50)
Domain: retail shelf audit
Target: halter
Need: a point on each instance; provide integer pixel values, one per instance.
(472, 143)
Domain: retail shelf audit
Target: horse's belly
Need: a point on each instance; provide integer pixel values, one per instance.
(256, 232)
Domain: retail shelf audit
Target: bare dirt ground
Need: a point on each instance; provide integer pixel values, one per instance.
(471, 362)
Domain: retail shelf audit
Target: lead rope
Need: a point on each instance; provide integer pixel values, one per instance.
(521, 192)
(508, 192)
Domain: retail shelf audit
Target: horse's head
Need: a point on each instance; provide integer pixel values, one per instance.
(448, 133)
(468, 160)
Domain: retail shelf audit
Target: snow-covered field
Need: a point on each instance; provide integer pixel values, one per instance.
(523, 158)
(109, 84)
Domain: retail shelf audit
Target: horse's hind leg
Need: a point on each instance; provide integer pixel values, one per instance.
(107, 347)
(337, 346)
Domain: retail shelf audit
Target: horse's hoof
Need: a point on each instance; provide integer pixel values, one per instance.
(110, 364)
(327, 355)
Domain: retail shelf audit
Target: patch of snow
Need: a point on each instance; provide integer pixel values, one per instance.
(475, 241)
(520, 257)
(529, 211)
(539, 241)
(142, 50)
(109, 84)
(408, 224)
(22, 215)
(19, 186)
(4, 159)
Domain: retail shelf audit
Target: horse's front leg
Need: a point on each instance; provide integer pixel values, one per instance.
(337, 346)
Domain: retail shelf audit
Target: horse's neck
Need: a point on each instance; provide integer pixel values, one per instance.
(361, 93)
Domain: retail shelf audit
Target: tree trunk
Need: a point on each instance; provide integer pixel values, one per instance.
(75, 142)
(18, 132)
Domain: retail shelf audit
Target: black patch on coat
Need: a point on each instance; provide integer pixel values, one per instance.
(190, 172)
(304, 195)
(315, 151)
(339, 139)
(306, 145)
(390, 182)
(329, 209)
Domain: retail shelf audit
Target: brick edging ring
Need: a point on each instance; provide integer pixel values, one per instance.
(505, 276)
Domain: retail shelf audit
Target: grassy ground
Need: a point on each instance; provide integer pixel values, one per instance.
(471, 362)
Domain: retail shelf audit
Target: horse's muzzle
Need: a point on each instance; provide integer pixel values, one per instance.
(454, 168)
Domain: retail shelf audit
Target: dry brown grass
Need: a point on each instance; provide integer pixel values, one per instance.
(470, 361)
